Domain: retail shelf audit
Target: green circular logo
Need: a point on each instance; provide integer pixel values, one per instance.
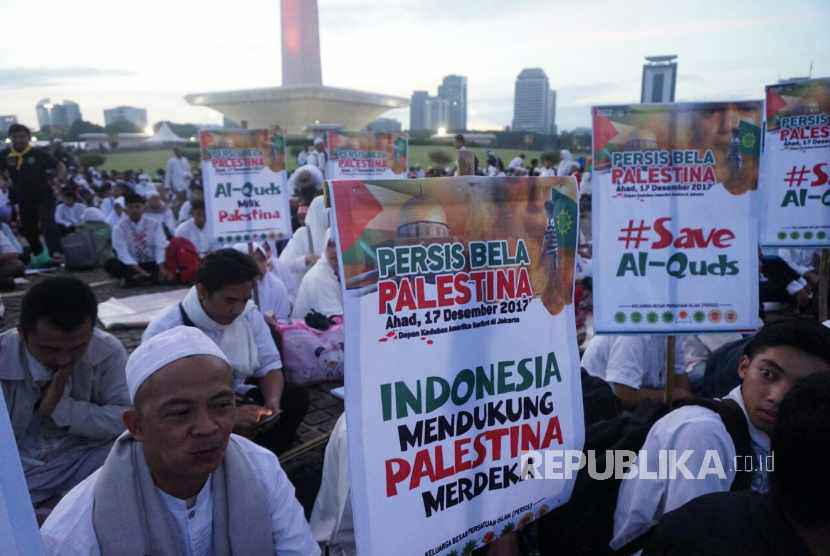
(808, 235)
(652, 317)
(821, 235)
(699, 316)
(636, 317)
(795, 235)
(782, 235)
(619, 317)
(668, 317)
(748, 140)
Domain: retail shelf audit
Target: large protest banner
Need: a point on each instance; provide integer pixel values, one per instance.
(795, 165)
(460, 354)
(246, 198)
(366, 155)
(674, 217)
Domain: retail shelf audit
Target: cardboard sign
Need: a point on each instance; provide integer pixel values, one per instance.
(674, 217)
(461, 355)
(246, 198)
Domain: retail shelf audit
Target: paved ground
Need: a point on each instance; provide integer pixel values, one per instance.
(303, 462)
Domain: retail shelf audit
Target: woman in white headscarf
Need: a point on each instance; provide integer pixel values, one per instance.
(117, 210)
(307, 243)
(320, 288)
(567, 164)
(273, 295)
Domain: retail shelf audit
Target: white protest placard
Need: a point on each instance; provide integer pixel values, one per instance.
(461, 355)
(359, 155)
(795, 165)
(246, 198)
(674, 217)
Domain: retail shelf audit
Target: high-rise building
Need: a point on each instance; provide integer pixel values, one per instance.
(534, 103)
(438, 113)
(44, 117)
(5, 123)
(62, 114)
(454, 90)
(418, 111)
(136, 116)
(659, 79)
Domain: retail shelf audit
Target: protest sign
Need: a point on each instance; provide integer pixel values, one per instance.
(795, 165)
(19, 534)
(366, 155)
(460, 354)
(674, 220)
(246, 198)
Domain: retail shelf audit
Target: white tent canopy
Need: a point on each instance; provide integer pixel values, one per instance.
(164, 135)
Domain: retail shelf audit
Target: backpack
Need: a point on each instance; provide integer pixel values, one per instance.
(182, 259)
(102, 235)
(585, 524)
(79, 250)
(310, 355)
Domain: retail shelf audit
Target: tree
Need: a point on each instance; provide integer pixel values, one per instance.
(82, 126)
(440, 158)
(122, 126)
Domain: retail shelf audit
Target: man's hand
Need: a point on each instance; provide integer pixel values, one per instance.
(248, 416)
(165, 275)
(54, 392)
(140, 271)
(311, 259)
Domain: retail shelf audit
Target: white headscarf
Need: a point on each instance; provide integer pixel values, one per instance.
(567, 165)
(162, 349)
(320, 289)
(317, 221)
(92, 214)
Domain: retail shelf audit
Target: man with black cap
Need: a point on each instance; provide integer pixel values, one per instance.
(31, 172)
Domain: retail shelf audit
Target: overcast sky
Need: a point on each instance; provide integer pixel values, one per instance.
(104, 53)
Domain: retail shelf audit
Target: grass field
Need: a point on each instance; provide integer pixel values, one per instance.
(150, 161)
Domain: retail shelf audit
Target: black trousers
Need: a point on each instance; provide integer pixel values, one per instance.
(294, 404)
(117, 269)
(36, 218)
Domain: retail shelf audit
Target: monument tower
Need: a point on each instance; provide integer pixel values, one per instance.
(303, 100)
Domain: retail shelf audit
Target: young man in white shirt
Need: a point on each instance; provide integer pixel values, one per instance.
(68, 214)
(139, 244)
(178, 482)
(318, 156)
(177, 175)
(635, 367)
(220, 304)
(778, 356)
(194, 230)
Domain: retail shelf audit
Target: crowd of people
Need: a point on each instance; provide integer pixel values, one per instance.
(172, 449)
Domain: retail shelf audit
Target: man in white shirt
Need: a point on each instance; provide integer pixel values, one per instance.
(63, 382)
(139, 244)
(302, 157)
(777, 357)
(178, 174)
(318, 156)
(220, 305)
(158, 210)
(517, 162)
(194, 230)
(178, 482)
(635, 367)
(68, 214)
(547, 170)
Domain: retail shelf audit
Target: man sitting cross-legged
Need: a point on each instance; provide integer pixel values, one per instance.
(178, 482)
(63, 382)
